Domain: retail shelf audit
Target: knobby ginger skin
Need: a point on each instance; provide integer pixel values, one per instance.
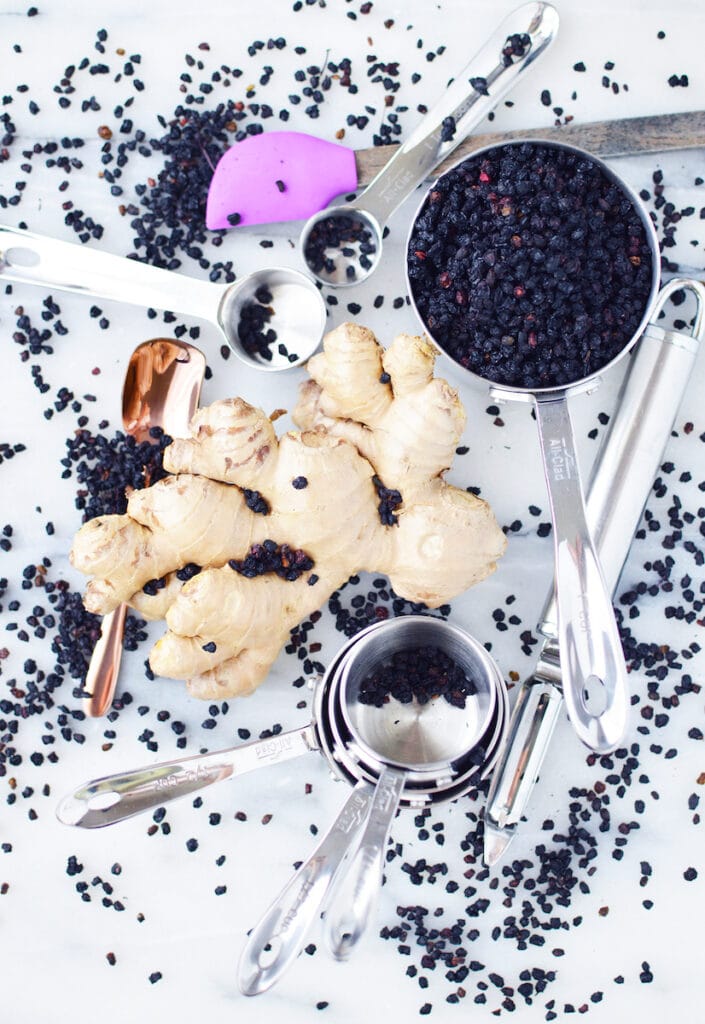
(368, 418)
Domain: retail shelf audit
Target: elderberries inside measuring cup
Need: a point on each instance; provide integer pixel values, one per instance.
(531, 265)
(413, 704)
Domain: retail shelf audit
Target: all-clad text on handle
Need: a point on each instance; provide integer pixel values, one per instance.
(117, 797)
(592, 663)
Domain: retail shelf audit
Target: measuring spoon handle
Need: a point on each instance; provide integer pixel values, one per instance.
(356, 893)
(278, 938)
(472, 95)
(35, 259)
(592, 662)
(104, 667)
(114, 798)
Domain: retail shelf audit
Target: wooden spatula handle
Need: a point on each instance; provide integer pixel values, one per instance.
(626, 137)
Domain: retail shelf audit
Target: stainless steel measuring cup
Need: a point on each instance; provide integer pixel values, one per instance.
(412, 753)
(342, 245)
(114, 798)
(594, 672)
(405, 740)
(421, 739)
(295, 310)
(431, 774)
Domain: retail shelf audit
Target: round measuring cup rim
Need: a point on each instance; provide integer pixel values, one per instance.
(420, 791)
(275, 276)
(486, 676)
(430, 784)
(584, 383)
(421, 788)
(336, 209)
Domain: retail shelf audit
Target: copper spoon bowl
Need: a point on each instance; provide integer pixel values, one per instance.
(162, 387)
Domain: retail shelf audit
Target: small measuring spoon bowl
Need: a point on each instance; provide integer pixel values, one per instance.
(342, 245)
(277, 299)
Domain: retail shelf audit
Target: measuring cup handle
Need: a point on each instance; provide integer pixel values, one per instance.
(493, 74)
(625, 467)
(592, 662)
(35, 259)
(277, 940)
(355, 895)
(114, 798)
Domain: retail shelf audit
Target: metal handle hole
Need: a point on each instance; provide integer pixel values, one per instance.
(269, 953)
(18, 256)
(595, 696)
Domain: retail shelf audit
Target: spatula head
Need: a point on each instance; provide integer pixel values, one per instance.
(277, 176)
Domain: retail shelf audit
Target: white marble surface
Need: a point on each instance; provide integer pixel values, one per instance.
(53, 944)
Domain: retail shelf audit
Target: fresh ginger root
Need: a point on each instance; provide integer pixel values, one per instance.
(359, 488)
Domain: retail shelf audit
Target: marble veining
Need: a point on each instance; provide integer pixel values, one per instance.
(148, 918)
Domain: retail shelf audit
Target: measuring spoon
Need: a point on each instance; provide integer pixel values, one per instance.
(294, 307)
(161, 389)
(342, 245)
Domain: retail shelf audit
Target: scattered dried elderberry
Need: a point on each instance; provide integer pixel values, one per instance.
(109, 468)
(255, 502)
(517, 45)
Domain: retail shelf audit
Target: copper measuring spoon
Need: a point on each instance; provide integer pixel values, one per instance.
(162, 387)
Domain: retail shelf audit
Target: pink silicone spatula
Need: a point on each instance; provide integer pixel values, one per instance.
(278, 176)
